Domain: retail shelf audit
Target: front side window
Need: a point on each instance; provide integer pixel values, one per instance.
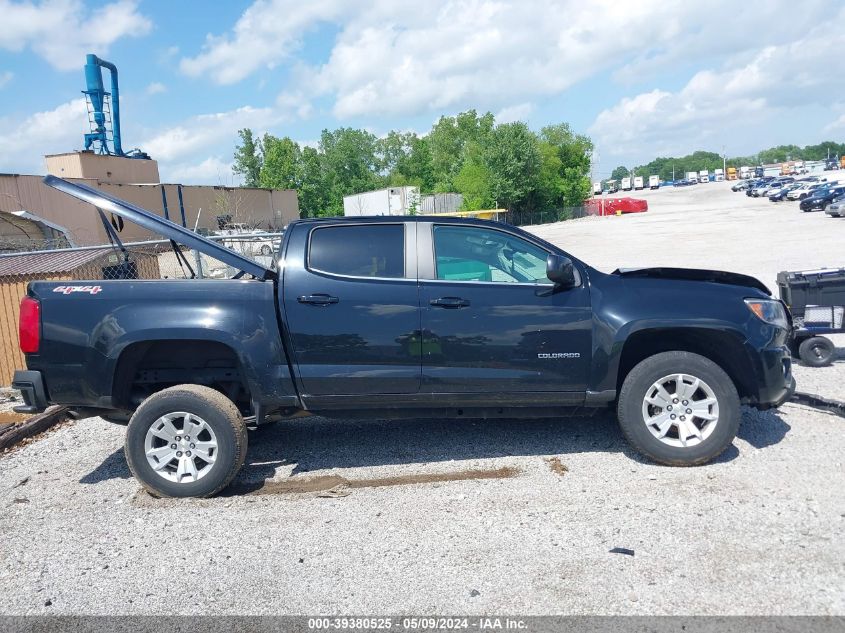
(477, 254)
(363, 250)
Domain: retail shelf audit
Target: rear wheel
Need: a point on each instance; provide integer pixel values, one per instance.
(679, 409)
(816, 351)
(186, 441)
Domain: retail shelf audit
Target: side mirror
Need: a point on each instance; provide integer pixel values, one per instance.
(560, 270)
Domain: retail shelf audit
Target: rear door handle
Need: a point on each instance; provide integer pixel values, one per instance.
(317, 300)
(450, 302)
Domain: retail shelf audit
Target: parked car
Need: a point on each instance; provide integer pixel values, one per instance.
(684, 182)
(740, 186)
(836, 209)
(756, 183)
(764, 188)
(822, 198)
(779, 195)
(407, 316)
(806, 190)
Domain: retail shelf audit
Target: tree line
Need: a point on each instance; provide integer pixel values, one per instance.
(505, 165)
(699, 160)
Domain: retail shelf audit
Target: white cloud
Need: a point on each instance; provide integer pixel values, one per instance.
(6, 77)
(24, 142)
(519, 112)
(716, 106)
(63, 31)
(211, 171)
(156, 87)
(205, 131)
(423, 56)
(295, 104)
(265, 34)
(837, 125)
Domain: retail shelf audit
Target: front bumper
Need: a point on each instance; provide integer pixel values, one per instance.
(777, 383)
(31, 385)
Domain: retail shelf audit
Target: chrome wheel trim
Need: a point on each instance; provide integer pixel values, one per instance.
(180, 447)
(680, 410)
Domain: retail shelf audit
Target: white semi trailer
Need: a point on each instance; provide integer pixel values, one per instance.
(390, 201)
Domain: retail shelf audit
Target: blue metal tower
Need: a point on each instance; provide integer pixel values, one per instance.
(104, 111)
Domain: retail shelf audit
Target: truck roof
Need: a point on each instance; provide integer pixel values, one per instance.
(370, 219)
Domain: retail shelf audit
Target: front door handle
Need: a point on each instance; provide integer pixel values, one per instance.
(450, 302)
(317, 300)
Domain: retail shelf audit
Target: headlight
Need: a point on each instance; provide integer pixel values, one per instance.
(768, 310)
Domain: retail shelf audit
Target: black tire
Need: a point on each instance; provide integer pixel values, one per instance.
(816, 351)
(639, 382)
(218, 412)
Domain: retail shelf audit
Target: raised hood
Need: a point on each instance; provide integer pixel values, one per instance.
(157, 224)
(695, 274)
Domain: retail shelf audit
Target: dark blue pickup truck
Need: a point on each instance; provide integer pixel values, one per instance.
(396, 317)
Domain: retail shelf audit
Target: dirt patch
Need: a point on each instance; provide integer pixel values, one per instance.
(557, 466)
(333, 486)
(10, 417)
(334, 482)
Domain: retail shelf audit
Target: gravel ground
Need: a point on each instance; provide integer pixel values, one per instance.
(422, 516)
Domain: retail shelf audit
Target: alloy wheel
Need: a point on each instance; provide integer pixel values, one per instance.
(180, 447)
(680, 410)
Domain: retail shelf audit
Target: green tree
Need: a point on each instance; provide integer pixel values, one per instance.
(280, 168)
(473, 181)
(574, 152)
(513, 158)
(447, 140)
(550, 181)
(248, 158)
(313, 201)
(619, 173)
(405, 159)
(780, 154)
(349, 165)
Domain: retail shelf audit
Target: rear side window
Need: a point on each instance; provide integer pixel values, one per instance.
(375, 250)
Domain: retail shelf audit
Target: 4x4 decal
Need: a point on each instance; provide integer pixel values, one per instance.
(66, 290)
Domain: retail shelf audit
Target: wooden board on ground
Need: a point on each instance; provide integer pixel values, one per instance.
(10, 436)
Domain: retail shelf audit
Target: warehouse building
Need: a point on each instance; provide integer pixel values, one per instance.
(136, 181)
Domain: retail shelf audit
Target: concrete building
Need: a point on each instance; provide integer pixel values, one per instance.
(104, 168)
(136, 181)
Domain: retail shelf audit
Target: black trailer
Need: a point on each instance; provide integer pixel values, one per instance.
(816, 299)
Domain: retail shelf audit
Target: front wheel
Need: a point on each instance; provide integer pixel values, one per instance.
(679, 409)
(186, 441)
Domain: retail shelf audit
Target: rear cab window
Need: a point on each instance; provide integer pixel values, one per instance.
(358, 250)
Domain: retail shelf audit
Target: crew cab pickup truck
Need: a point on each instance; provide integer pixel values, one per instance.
(398, 317)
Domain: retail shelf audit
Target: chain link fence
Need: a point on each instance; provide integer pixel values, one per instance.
(155, 259)
(83, 267)
(548, 216)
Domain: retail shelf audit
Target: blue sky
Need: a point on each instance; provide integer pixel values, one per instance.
(657, 78)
